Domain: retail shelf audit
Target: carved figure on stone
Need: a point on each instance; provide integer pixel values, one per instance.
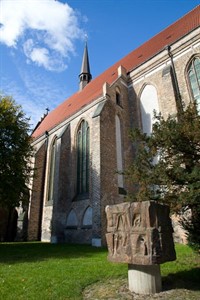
(141, 245)
(136, 220)
(118, 219)
(139, 233)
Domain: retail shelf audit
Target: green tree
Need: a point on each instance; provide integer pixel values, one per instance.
(167, 165)
(15, 154)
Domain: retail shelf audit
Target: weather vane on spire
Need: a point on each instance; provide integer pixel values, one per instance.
(86, 37)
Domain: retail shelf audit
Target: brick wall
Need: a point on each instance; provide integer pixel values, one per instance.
(110, 193)
(35, 215)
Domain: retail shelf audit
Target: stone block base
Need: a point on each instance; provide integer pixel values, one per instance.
(144, 279)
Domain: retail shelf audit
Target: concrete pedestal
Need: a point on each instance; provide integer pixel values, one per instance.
(144, 279)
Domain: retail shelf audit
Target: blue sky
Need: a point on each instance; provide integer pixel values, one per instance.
(42, 42)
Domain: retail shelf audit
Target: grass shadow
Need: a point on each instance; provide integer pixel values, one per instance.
(12, 253)
(188, 279)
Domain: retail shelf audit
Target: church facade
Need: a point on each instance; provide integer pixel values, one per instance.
(83, 146)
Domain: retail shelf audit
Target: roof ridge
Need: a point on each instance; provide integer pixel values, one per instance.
(132, 60)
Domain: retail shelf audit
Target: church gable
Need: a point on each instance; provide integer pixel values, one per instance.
(90, 131)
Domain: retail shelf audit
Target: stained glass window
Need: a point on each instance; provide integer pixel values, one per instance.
(83, 162)
(194, 79)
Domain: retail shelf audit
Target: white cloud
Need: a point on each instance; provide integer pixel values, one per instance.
(46, 30)
(43, 57)
(37, 54)
(40, 56)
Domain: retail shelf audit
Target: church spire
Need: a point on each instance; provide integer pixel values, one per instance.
(85, 76)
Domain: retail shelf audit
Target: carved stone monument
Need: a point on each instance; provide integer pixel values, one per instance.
(140, 234)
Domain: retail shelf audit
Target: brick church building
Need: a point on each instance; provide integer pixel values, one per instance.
(80, 145)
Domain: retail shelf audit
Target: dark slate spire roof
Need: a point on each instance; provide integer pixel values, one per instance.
(85, 63)
(85, 75)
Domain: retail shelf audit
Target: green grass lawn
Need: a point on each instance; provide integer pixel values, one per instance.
(49, 271)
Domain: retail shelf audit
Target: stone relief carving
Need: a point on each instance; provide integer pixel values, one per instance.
(139, 233)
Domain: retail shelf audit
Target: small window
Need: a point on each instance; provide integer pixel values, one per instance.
(118, 97)
(194, 79)
(87, 218)
(72, 221)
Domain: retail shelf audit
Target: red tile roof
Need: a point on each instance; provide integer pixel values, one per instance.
(93, 90)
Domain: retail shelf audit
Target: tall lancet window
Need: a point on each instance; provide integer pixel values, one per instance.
(52, 170)
(83, 161)
(148, 104)
(194, 79)
(120, 178)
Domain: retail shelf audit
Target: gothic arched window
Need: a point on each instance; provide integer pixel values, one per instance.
(52, 170)
(87, 218)
(72, 221)
(193, 73)
(148, 104)
(83, 162)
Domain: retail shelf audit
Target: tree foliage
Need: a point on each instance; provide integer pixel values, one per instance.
(167, 165)
(15, 154)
